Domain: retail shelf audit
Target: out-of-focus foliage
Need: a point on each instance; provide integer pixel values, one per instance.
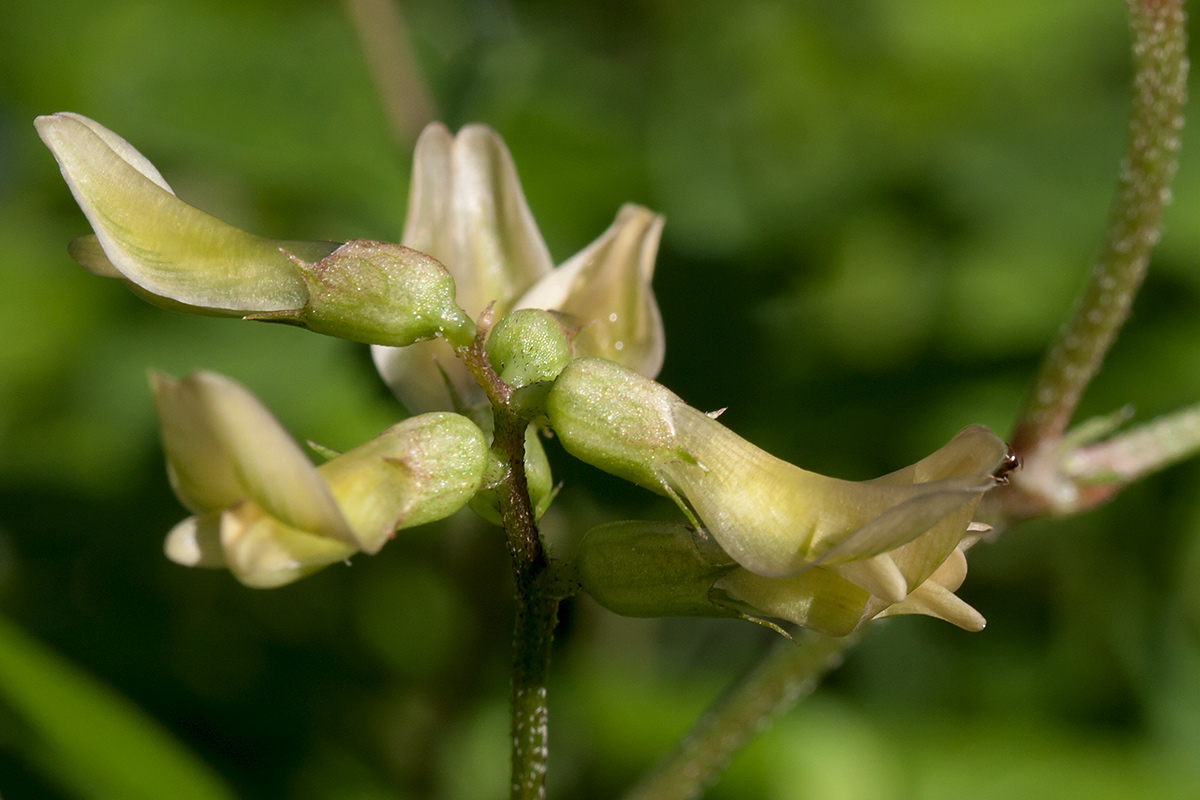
(877, 214)
(90, 740)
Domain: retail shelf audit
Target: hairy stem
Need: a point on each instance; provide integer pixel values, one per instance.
(535, 583)
(788, 674)
(536, 615)
(1159, 91)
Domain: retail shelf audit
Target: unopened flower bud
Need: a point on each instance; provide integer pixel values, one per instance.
(615, 419)
(606, 287)
(528, 346)
(178, 257)
(663, 569)
(467, 210)
(420, 470)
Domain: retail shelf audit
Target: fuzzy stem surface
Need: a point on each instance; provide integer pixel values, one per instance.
(1147, 168)
(788, 674)
(534, 582)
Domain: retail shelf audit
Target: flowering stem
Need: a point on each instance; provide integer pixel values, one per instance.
(537, 585)
(1159, 91)
(788, 674)
(536, 615)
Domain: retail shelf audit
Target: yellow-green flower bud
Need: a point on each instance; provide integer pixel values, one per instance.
(538, 478)
(528, 346)
(773, 518)
(380, 293)
(467, 210)
(617, 420)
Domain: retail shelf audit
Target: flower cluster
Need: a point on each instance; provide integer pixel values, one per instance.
(576, 346)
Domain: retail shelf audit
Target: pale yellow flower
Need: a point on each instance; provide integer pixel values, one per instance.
(262, 509)
(466, 209)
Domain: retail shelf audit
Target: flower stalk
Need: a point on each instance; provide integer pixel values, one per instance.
(785, 676)
(1147, 168)
(536, 596)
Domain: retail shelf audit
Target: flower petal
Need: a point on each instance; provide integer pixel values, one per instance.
(424, 374)
(934, 600)
(264, 553)
(878, 575)
(776, 519)
(466, 209)
(223, 446)
(816, 599)
(196, 542)
(606, 286)
(165, 246)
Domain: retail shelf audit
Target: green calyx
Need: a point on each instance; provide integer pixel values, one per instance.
(379, 293)
(652, 569)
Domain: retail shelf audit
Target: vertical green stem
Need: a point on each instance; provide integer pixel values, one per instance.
(788, 674)
(536, 615)
(1159, 91)
(537, 593)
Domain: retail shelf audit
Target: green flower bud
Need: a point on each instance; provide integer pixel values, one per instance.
(380, 293)
(528, 346)
(264, 511)
(773, 518)
(540, 481)
(614, 419)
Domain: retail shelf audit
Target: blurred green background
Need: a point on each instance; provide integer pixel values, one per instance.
(878, 212)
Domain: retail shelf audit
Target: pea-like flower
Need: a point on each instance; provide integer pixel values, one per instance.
(466, 209)
(263, 510)
(177, 256)
(795, 535)
(666, 569)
